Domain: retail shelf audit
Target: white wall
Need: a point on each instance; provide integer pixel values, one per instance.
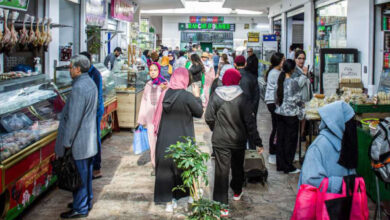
(308, 37)
(53, 7)
(171, 33)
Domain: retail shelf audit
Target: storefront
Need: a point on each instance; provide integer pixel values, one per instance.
(295, 30)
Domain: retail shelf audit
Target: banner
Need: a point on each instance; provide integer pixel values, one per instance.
(15, 4)
(206, 19)
(122, 10)
(206, 27)
(253, 37)
(95, 12)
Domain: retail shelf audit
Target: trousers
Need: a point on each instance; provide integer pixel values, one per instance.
(97, 160)
(82, 198)
(287, 142)
(272, 144)
(226, 159)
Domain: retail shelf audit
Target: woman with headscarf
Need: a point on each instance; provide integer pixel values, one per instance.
(152, 91)
(209, 77)
(334, 153)
(172, 59)
(233, 122)
(166, 68)
(173, 120)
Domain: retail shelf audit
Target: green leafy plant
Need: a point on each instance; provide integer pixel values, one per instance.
(94, 39)
(188, 157)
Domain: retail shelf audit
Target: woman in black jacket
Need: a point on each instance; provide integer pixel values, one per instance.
(232, 123)
(196, 70)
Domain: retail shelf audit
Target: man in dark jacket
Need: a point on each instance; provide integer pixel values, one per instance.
(252, 63)
(97, 78)
(232, 123)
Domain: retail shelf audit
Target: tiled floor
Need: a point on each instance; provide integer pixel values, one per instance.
(126, 190)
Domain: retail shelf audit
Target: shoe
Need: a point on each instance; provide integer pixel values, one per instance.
(73, 214)
(224, 213)
(97, 174)
(70, 205)
(295, 171)
(237, 197)
(174, 203)
(169, 207)
(190, 200)
(296, 157)
(272, 159)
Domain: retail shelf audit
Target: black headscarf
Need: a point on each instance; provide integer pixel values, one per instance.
(349, 146)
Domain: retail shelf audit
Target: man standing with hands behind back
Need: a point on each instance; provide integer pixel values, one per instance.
(252, 63)
(77, 132)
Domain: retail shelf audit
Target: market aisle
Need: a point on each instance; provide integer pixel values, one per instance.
(126, 190)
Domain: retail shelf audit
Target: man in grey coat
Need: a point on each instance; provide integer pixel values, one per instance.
(77, 132)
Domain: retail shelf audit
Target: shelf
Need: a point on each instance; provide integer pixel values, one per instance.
(19, 24)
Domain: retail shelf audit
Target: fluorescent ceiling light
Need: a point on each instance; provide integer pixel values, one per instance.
(203, 8)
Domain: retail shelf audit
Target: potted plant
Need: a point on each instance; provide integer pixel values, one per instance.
(188, 157)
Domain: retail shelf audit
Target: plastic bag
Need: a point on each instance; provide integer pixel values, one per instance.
(305, 203)
(15, 122)
(140, 141)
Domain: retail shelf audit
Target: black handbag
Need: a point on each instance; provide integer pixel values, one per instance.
(68, 177)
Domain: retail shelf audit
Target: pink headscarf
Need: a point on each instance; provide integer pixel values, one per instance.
(179, 80)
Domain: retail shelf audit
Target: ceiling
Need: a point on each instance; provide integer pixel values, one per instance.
(257, 5)
(160, 4)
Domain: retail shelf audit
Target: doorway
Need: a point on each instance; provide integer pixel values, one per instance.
(207, 47)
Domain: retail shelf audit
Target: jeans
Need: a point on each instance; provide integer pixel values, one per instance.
(226, 159)
(82, 198)
(272, 144)
(287, 142)
(97, 159)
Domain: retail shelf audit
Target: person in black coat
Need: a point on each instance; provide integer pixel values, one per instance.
(252, 63)
(232, 123)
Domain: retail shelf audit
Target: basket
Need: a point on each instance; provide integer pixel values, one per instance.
(359, 109)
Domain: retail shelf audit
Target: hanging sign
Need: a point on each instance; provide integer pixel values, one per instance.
(15, 4)
(95, 12)
(206, 19)
(269, 37)
(350, 70)
(253, 37)
(206, 27)
(122, 10)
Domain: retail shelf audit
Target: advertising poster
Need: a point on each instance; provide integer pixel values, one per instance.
(95, 12)
(122, 10)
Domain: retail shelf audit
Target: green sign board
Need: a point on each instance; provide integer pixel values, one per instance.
(15, 4)
(206, 27)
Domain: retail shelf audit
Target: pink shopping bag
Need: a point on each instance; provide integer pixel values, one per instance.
(323, 196)
(359, 210)
(305, 203)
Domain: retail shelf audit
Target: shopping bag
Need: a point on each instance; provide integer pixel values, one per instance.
(324, 197)
(68, 176)
(359, 210)
(305, 203)
(140, 141)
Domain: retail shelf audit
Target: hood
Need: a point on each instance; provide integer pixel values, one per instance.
(170, 99)
(333, 119)
(228, 93)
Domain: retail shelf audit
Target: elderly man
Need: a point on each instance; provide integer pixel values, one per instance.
(77, 132)
(252, 63)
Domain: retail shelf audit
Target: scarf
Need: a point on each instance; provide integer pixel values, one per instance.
(159, 79)
(165, 62)
(349, 151)
(231, 77)
(179, 80)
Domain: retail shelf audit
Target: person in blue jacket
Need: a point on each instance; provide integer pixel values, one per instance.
(334, 152)
(97, 78)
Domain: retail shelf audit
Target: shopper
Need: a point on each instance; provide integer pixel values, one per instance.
(216, 61)
(196, 70)
(291, 52)
(155, 57)
(271, 77)
(223, 65)
(172, 59)
(334, 152)
(111, 58)
(97, 78)
(145, 57)
(209, 77)
(230, 58)
(77, 132)
(176, 51)
(166, 68)
(252, 63)
(152, 91)
(173, 120)
(232, 123)
(289, 111)
(301, 76)
(181, 61)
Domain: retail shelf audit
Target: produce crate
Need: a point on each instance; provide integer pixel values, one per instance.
(359, 109)
(364, 167)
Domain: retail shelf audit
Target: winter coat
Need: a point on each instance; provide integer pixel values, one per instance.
(196, 72)
(322, 156)
(252, 65)
(304, 84)
(250, 87)
(97, 78)
(231, 121)
(272, 86)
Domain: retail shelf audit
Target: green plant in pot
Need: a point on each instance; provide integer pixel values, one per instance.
(189, 158)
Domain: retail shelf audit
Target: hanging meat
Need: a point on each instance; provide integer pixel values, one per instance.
(31, 34)
(42, 38)
(37, 34)
(7, 33)
(24, 33)
(1, 15)
(14, 33)
(48, 37)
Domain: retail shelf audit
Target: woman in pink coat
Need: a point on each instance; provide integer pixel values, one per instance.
(150, 97)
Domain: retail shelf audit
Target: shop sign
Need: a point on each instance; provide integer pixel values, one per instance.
(15, 4)
(350, 70)
(253, 37)
(246, 26)
(269, 37)
(122, 10)
(207, 19)
(206, 27)
(95, 12)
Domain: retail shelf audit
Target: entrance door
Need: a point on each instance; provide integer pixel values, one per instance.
(207, 46)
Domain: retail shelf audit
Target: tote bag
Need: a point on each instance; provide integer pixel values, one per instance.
(140, 141)
(305, 203)
(69, 178)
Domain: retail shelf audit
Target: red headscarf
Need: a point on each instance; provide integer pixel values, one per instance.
(179, 80)
(232, 77)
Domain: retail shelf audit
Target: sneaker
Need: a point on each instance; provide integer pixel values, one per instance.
(295, 171)
(224, 213)
(296, 157)
(190, 200)
(169, 207)
(237, 197)
(272, 159)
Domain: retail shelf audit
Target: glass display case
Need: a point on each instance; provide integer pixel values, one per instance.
(108, 82)
(62, 77)
(132, 80)
(146, 41)
(30, 114)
